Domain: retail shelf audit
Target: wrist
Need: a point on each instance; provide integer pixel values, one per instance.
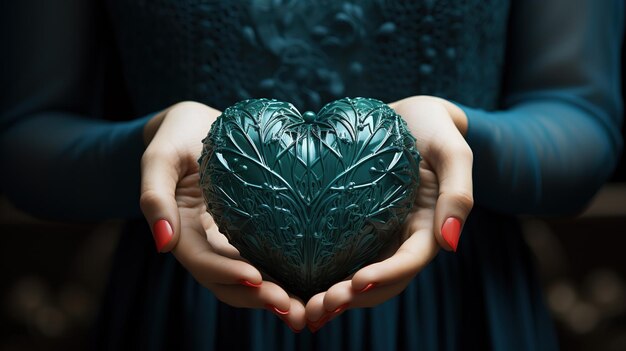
(457, 115)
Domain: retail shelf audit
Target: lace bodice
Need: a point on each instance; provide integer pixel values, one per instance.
(310, 52)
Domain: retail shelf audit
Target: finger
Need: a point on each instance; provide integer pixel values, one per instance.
(163, 165)
(296, 318)
(316, 314)
(269, 296)
(315, 308)
(208, 267)
(338, 296)
(412, 256)
(159, 177)
(442, 145)
(221, 245)
(322, 307)
(378, 295)
(341, 297)
(453, 166)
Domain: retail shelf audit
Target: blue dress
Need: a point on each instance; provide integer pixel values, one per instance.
(539, 84)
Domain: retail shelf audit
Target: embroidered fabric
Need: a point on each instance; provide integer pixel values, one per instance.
(220, 52)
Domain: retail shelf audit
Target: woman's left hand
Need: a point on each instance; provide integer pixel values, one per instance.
(442, 204)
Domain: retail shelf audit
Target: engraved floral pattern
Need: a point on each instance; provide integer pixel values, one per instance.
(309, 199)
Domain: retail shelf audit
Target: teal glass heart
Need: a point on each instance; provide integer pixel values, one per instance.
(309, 199)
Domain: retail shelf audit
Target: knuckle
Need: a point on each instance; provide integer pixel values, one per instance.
(148, 200)
(460, 199)
(464, 200)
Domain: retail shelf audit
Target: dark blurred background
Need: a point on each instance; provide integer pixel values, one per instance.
(53, 274)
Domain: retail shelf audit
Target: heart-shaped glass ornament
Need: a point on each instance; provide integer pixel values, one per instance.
(309, 199)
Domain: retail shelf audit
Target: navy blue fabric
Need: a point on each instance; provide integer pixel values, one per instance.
(540, 86)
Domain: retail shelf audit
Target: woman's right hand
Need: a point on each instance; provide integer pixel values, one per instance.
(172, 202)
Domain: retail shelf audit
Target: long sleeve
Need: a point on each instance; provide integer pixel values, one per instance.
(59, 159)
(556, 138)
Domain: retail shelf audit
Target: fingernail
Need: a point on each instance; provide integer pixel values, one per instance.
(337, 312)
(250, 284)
(276, 310)
(451, 232)
(282, 315)
(340, 309)
(162, 233)
(368, 287)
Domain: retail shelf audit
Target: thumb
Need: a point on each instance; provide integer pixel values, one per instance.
(455, 201)
(433, 122)
(159, 177)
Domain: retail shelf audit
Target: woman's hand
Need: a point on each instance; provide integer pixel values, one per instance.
(443, 202)
(172, 202)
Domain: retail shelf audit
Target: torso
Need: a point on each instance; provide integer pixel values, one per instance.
(310, 52)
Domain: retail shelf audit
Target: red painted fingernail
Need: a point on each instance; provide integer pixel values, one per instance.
(451, 232)
(249, 283)
(336, 313)
(340, 308)
(368, 287)
(162, 233)
(276, 310)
